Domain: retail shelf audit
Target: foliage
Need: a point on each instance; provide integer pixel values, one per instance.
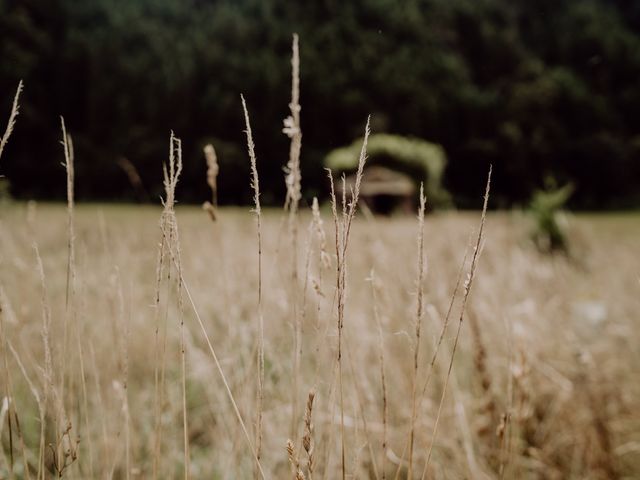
(530, 87)
(424, 161)
(546, 208)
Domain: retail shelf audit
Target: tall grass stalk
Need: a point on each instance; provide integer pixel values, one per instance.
(218, 365)
(342, 234)
(12, 118)
(158, 370)
(329, 429)
(255, 184)
(47, 371)
(360, 395)
(418, 327)
(293, 179)
(169, 226)
(4, 412)
(124, 330)
(70, 317)
(467, 289)
(438, 346)
(383, 379)
(212, 180)
(294, 461)
(307, 439)
(8, 407)
(323, 263)
(170, 245)
(34, 391)
(67, 145)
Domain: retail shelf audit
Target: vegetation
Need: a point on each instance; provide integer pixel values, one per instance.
(534, 88)
(424, 161)
(530, 364)
(233, 350)
(546, 208)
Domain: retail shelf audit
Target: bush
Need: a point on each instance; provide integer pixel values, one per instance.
(546, 208)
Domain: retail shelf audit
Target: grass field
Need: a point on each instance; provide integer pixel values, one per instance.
(545, 382)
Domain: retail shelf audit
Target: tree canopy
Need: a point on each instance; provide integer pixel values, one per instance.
(538, 89)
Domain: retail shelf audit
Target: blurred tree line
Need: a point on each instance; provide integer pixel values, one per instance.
(537, 88)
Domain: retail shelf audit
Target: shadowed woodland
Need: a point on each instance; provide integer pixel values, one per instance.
(538, 89)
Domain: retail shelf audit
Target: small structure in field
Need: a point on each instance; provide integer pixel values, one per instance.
(385, 190)
(395, 168)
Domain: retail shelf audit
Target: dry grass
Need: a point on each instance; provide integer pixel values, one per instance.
(212, 180)
(15, 107)
(559, 341)
(132, 351)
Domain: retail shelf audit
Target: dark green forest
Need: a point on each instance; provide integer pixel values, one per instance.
(538, 88)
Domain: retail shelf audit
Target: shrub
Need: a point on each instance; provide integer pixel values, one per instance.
(546, 208)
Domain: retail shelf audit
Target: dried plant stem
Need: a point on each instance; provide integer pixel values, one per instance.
(69, 167)
(307, 438)
(63, 450)
(467, 290)
(489, 431)
(339, 287)
(125, 321)
(307, 269)
(134, 178)
(418, 327)
(85, 397)
(293, 460)
(331, 408)
(465, 431)
(70, 318)
(445, 325)
(383, 382)
(292, 200)
(255, 184)
(158, 389)
(171, 178)
(48, 385)
(293, 131)
(20, 438)
(342, 234)
(216, 360)
(4, 410)
(36, 395)
(99, 400)
(70, 288)
(506, 436)
(183, 357)
(12, 118)
(170, 243)
(72, 309)
(324, 263)
(436, 351)
(8, 391)
(212, 180)
(360, 404)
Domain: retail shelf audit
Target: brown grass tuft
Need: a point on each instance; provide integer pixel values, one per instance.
(12, 118)
(212, 180)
